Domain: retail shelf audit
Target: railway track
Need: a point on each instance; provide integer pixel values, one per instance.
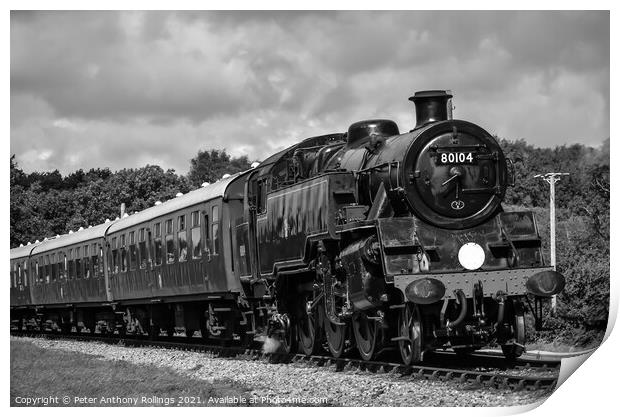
(482, 370)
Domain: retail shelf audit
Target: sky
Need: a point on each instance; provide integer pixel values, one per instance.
(127, 89)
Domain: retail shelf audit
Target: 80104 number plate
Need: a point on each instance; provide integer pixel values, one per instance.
(444, 158)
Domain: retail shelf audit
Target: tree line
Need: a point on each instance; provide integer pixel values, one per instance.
(46, 204)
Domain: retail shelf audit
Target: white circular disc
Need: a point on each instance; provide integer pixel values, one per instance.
(471, 256)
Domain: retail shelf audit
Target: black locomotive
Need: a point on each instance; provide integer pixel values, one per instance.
(370, 239)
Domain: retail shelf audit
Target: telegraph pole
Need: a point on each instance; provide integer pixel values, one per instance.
(551, 178)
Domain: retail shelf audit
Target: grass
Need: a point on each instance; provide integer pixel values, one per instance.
(52, 376)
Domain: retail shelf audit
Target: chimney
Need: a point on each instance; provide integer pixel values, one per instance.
(432, 106)
(122, 209)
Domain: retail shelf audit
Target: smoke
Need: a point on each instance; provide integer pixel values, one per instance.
(271, 345)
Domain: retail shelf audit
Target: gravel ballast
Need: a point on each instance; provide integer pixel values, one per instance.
(303, 384)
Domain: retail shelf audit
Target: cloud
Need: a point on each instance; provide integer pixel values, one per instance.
(122, 89)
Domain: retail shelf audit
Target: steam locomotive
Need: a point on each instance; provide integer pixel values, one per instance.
(369, 239)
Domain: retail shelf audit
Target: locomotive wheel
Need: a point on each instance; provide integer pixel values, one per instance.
(189, 332)
(335, 336)
(410, 327)
(366, 333)
(288, 341)
(308, 332)
(514, 350)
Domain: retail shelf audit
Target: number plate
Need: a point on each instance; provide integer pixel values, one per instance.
(444, 158)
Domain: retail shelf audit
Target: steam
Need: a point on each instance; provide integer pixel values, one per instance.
(271, 345)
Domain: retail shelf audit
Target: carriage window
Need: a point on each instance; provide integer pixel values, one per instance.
(195, 218)
(54, 268)
(94, 260)
(133, 251)
(123, 254)
(195, 234)
(142, 248)
(182, 236)
(133, 257)
(19, 274)
(62, 265)
(14, 274)
(86, 263)
(159, 249)
(79, 273)
(206, 233)
(25, 273)
(115, 262)
(47, 269)
(158, 245)
(88, 273)
(39, 271)
(170, 249)
(70, 265)
(215, 225)
(78, 263)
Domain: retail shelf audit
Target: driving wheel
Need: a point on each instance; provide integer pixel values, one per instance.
(308, 332)
(366, 331)
(335, 336)
(410, 334)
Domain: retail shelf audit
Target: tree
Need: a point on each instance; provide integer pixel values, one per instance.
(211, 165)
